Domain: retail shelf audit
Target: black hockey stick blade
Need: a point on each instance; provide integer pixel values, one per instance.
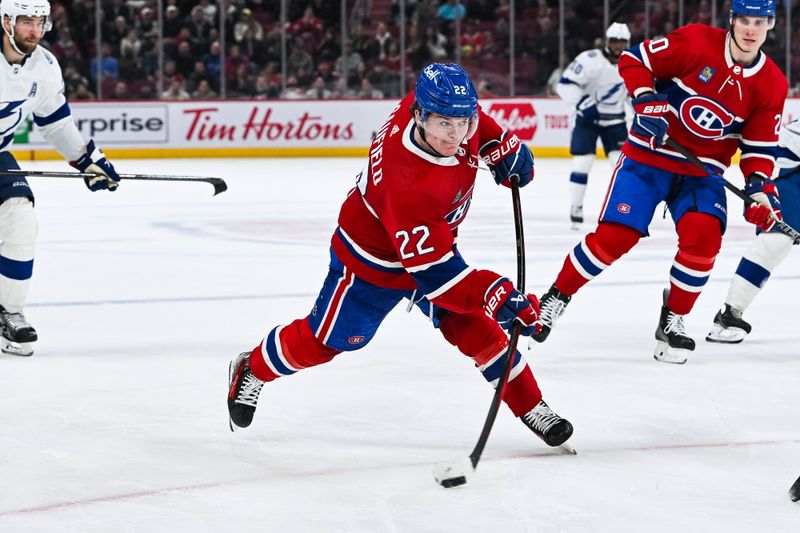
(693, 159)
(794, 491)
(218, 183)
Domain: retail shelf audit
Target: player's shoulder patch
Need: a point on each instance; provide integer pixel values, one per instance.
(592, 53)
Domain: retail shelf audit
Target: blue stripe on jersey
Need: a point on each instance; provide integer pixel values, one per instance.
(366, 261)
(58, 114)
(768, 151)
(434, 277)
(495, 370)
(274, 359)
(752, 272)
(13, 269)
(577, 177)
(635, 51)
(585, 262)
(785, 153)
(567, 80)
(688, 279)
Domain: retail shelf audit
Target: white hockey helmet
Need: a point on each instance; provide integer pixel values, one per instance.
(618, 31)
(24, 8)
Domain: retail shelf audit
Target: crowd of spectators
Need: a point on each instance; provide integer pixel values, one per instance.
(201, 59)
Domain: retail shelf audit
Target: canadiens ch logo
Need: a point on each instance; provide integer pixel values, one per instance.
(705, 117)
(356, 339)
(706, 74)
(624, 208)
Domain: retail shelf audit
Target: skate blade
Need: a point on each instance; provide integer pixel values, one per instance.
(230, 377)
(726, 335)
(568, 449)
(666, 354)
(24, 349)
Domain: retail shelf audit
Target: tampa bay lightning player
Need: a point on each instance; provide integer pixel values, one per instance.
(31, 83)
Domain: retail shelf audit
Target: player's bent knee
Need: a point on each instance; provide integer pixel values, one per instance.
(474, 334)
(699, 234)
(582, 163)
(612, 241)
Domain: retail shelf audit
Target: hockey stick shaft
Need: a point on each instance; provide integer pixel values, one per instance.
(475, 456)
(693, 159)
(218, 183)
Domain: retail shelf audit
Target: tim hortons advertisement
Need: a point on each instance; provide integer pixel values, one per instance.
(283, 124)
(308, 124)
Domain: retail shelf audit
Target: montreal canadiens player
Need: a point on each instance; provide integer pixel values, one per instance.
(31, 83)
(592, 85)
(712, 91)
(770, 247)
(396, 241)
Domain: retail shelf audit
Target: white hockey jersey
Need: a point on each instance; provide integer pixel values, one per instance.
(36, 87)
(592, 74)
(788, 152)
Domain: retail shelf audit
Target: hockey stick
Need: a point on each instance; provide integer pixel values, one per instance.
(794, 491)
(218, 183)
(455, 474)
(780, 224)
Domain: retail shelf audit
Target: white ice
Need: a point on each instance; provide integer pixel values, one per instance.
(141, 297)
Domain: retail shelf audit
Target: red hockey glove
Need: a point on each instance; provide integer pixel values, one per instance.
(506, 157)
(767, 207)
(506, 304)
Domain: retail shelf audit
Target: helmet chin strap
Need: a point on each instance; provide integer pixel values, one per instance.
(11, 38)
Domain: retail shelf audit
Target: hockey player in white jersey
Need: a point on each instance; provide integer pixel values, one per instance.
(593, 86)
(770, 247)
(31, 83)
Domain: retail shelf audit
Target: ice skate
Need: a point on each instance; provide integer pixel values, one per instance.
(243, 391)
(552, 306)
(673, 344)
(576, 216)
(548, 426)
(18, 335)
(729, 327)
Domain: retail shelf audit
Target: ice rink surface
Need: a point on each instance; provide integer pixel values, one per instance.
(141, 297)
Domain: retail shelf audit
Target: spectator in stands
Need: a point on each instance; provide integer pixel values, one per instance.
(184, 59)
(318, 90)
(425, 13)
(146, 91)
(212, 60)
(386, 82)
(176, 90)
(417, 52)
(298, 58)
(242, 83)
(436, 43)
(199, 27)
(118, 8)
(172, 22)
(120, 91)
(108, 64)
(210, 10)
(484, 89)
(309, 27)
(204, 91)
(450, 11)
(367, 91)
(199, 74)
(247, 22)
(293, 91)
(265, 89)
(232, 62)
(82, 92)
(329, 48)
(347, 64)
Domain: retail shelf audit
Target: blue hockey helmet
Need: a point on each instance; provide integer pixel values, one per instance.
(445, 89)
(754, 8)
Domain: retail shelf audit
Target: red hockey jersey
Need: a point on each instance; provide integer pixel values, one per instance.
(397, 228)
(716, 104)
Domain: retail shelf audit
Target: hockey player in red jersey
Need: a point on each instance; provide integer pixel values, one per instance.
(712, 91)
(396, 240)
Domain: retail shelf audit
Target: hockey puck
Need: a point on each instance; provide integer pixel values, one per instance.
(450, 475)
